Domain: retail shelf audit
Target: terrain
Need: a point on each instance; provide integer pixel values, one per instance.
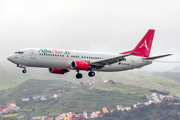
(130, 87)
(173, 73)
(160, 111)
(72, 99)
(11, 76)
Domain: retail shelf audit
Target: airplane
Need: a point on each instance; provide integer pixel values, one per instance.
(60, 61)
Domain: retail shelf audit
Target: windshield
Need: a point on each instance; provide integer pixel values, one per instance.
(19, 52)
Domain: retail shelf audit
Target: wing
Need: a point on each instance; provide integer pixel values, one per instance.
(101, 63)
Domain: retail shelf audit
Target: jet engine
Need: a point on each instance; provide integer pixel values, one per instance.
(57, 70)
(80, 65)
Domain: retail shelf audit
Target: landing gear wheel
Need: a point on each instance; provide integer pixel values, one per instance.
(91, 74)
(24, 71)
(79, 75)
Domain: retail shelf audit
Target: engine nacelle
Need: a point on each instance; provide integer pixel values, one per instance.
(57, 70)
(80, 65)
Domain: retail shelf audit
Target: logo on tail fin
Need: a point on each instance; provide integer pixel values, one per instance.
(145, 45)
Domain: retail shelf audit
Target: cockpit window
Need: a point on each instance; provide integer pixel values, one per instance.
(19, 52)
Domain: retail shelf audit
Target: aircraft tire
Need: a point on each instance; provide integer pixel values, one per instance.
(24, 71)
(79, 75)
(91, 74)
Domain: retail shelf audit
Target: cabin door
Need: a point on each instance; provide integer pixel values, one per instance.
(32, 54)
(132, 61)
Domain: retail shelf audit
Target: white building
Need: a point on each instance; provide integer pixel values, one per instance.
(12, 104)
(25, 99)
(55, 95)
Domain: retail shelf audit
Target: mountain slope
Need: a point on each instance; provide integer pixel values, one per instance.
(35, 87)
(11, 76)
(104, 95)
(76, 99)
(145, 80)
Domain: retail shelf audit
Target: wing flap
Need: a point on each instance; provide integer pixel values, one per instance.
(109, 61)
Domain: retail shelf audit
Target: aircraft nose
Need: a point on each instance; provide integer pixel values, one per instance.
(10, 58)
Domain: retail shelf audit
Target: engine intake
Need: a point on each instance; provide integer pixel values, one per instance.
(57, 70)
(80, 65)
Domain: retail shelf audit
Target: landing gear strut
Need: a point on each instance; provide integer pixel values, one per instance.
(78, 75)
(22, 66)
(91, 74)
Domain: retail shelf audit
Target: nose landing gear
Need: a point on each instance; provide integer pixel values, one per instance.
(22, 66)
(24, 71)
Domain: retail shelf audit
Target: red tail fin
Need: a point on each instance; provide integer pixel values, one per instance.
(144, 46)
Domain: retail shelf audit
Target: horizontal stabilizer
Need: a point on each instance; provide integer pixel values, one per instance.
(157, 57)
(166, 61)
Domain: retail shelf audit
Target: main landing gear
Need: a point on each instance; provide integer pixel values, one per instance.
(79, 75)
(91, 74)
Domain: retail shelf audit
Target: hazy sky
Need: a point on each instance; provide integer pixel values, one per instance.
(91, 25)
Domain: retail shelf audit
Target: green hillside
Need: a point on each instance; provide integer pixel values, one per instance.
(11, 76)
(151, 81)
(76, 99)
(104, 95)
(141, 80)
(35, 87)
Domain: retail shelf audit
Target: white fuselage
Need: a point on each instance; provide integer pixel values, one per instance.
(58, 58)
